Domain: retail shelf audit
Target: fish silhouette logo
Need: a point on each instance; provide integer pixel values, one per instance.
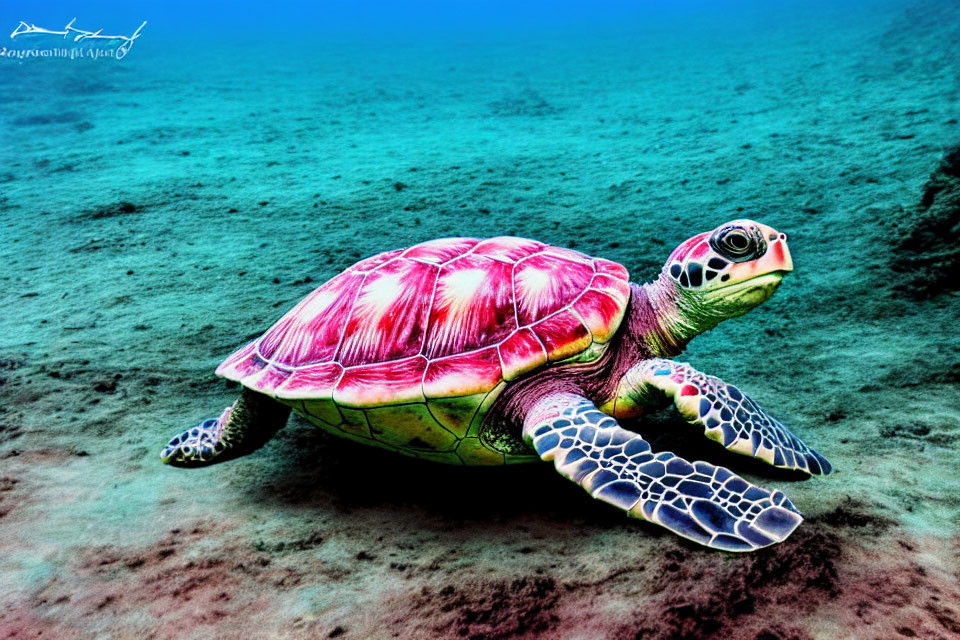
(80, 36)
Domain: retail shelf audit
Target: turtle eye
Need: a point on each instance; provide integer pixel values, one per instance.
(738, 244)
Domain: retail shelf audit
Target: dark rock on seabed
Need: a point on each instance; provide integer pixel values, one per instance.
(928, 252)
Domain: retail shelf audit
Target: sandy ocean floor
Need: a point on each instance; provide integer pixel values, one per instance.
(160, 211)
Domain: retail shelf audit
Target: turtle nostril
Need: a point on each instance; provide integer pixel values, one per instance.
(783, 237)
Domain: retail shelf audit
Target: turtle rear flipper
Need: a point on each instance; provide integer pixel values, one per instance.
(242, 428)
(699, 501)
(196, 446)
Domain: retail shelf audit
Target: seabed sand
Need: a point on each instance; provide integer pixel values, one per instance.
(156, 216)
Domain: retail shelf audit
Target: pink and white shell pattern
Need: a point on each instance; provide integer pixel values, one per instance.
(432, 332)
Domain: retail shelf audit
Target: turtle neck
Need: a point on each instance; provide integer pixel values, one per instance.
(665, 318)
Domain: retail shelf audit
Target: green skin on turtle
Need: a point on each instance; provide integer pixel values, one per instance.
(489, 352)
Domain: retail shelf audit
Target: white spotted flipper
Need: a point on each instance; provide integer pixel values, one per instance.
(730, 416)
(242, 428)
(199, 444)
(699, 501)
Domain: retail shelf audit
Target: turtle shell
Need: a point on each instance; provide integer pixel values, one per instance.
(409, 348)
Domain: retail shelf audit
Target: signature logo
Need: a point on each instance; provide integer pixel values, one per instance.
(81, 35)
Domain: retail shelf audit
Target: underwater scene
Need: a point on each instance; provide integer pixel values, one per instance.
(480, 319)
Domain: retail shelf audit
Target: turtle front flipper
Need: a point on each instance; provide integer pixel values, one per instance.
(699, 501)
(726, 414)
(242, 428)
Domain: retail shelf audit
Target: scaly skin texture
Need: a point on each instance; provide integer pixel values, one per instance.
(680, 316)
(701, 502)
(726, 414)
(242, 428)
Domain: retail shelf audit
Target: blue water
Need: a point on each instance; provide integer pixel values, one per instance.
(274, 20)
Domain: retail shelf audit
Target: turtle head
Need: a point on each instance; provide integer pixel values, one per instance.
(731, 269)
(719, 274)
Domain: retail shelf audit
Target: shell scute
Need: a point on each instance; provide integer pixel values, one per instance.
(568, 254)
(619, 290)
(440, 251)
(544, 284)
(317, 381)
(267, 378)
(389, 314)
(599, 313)
(610, 268)
(311, 331)
(563, 335)
(455, 414)
(520, 353)
(237, 365)
(472, 306)
(371, 263)
(507, 248)
(463, 374)
(382, 383)
(410, 427)
(355, 424)
(324, 410)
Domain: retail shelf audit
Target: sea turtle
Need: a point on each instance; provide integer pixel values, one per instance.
(506, 350)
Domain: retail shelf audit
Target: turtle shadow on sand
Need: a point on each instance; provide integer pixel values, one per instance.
(314, 470)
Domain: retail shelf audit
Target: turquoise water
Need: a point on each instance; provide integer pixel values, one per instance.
(162, 209)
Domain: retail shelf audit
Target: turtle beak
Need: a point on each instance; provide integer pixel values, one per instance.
(778, 256)
(754, 282)
(776, 261)
(780, 246)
